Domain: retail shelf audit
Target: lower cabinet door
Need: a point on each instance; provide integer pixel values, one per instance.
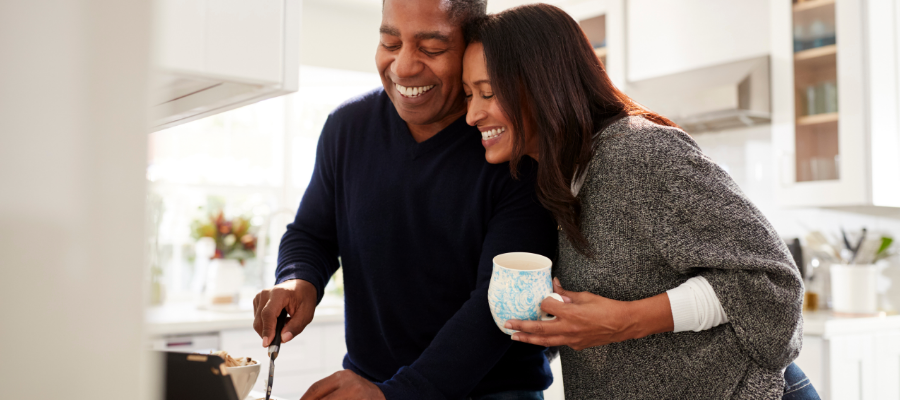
(887, 366)
(852, 368)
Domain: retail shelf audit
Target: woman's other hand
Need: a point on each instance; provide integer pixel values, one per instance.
(587, 320)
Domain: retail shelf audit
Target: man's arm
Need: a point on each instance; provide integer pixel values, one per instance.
(308, 253)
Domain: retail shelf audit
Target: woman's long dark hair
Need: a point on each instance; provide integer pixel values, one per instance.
(550, 82)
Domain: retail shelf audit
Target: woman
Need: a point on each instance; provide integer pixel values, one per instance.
(677, 286)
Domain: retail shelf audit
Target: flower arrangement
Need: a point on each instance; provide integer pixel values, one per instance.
(234, 239)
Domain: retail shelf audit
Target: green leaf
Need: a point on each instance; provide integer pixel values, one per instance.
(886, 243)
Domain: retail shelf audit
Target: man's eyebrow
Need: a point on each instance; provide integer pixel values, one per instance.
(436, 35)
(389, 30)
(433, 35)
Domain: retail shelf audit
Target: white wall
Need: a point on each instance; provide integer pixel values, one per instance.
(340, 34)
(670, 36)
(72, 165)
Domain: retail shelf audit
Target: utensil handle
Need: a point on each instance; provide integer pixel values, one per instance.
(278, 327)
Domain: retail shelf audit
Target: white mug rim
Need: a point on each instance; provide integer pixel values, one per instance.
(524, 254)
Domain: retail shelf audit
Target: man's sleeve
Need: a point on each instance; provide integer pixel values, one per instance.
(470, 344)
(309, 247)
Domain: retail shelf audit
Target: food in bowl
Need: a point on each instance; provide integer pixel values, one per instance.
(234, 362)
(243, 371)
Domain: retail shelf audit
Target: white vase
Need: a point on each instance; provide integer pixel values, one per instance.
(224, 279)
(854, 289)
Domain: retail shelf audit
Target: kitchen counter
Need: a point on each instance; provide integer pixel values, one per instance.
(187, 318)
(254, 395)
(827, 324)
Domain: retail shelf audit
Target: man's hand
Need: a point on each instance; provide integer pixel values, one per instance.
(343, 385)
(297, 296)
(587, 320)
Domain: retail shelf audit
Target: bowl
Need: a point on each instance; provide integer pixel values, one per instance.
(244, 378)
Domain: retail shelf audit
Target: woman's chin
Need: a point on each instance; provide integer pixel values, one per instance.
(492, 157)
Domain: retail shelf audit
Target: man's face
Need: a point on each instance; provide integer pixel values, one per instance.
(419, 59)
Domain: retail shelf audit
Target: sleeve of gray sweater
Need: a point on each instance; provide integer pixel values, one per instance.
(704, 225)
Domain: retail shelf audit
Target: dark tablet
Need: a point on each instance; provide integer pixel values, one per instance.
(197, 377)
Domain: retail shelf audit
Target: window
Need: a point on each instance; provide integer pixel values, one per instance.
(254, 161)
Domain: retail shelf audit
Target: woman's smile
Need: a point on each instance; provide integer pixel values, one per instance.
(490, 135)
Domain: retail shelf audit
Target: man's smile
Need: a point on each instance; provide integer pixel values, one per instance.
(412, 91)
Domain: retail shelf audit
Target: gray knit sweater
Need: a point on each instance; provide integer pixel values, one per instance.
(657, 212)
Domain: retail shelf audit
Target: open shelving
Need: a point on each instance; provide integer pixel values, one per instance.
(815, 91)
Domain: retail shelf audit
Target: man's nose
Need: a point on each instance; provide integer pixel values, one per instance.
(406, 64)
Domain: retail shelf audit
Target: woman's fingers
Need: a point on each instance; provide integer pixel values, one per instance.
(540, 340)
(554, 306)
(539, 327)
(557, 288)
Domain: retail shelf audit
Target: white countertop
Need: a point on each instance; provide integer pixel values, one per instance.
(826, 323)
(254, 395)
(187, 318)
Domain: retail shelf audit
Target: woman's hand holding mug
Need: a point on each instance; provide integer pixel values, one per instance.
(586, 320)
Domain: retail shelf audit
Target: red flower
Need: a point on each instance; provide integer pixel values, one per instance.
(249, 242)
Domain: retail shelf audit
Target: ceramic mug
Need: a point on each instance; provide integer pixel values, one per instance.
(519, 283)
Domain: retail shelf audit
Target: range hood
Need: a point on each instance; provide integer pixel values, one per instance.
(713, 98)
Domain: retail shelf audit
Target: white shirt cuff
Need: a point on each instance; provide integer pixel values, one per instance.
(695, 306)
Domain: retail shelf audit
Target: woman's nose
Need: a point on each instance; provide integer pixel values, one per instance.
(474, 114)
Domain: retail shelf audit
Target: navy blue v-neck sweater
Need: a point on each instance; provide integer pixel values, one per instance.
(416, 226)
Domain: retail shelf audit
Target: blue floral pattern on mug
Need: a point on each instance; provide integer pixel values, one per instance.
(516, 294)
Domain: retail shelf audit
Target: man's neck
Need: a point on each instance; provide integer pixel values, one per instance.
(422, 133)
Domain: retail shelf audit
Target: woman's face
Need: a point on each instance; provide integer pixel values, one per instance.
(484, 110)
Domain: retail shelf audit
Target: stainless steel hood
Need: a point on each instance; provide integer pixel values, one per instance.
(713, 98)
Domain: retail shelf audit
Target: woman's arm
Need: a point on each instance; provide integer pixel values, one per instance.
(695, 306)
(702, 224)
(587, 320)
(692, 306)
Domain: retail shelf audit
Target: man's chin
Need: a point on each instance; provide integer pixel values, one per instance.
(417, 117)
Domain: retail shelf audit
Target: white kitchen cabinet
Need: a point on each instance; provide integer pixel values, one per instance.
(852, 358)
(613, 13)
(674, 36)
(215, 55)
(887, 366)
(835, 130)
(852, 367)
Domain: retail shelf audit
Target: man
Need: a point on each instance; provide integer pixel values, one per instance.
(402, 193)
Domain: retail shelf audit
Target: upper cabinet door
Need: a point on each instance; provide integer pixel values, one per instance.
(832, 71)
(215, 55)
(674, 36)
(245, 39)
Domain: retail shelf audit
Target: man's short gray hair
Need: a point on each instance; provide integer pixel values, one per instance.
(463, 11)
